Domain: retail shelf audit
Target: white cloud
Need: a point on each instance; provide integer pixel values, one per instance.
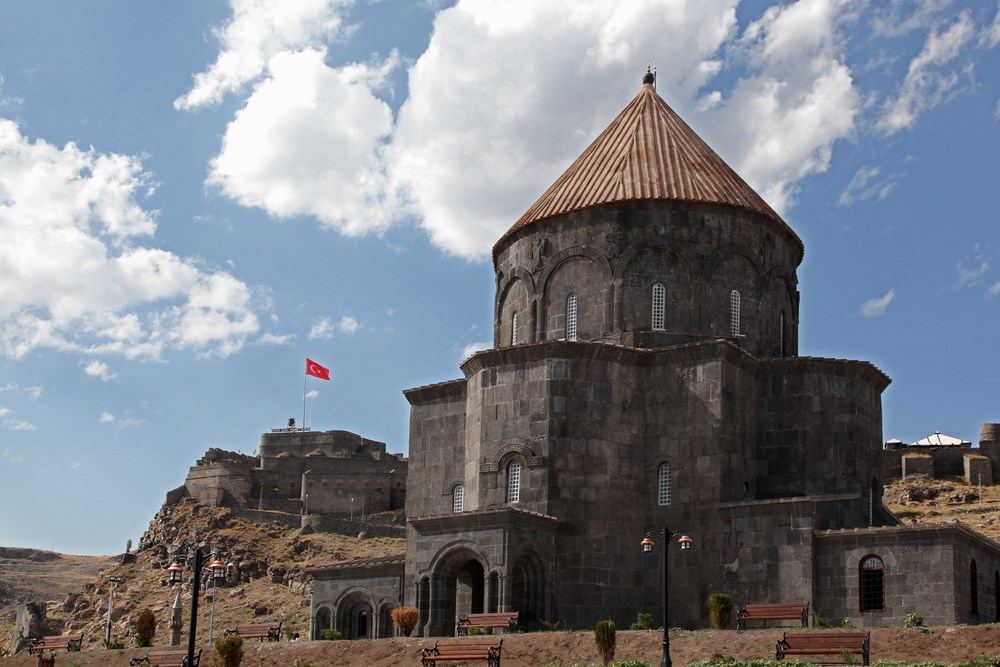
(107, 418)
(307, 143)
(348, 325)
(969, 276)
(275, 339)
(472, 348)
(4, 411)
(897, 17)
(993, 289)
(312, 394)
(927, 81)
(75, 274)
(321, 329)
(779, 124)
(866, 184)
(99, 370)
(258, 30)
(12, 424)
(34, 393)
(508, 94)
(991, 36)
(10, 456)
(877, 307)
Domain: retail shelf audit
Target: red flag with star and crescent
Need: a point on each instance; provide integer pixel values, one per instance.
(314, 369)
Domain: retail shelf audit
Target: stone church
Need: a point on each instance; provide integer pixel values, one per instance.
(646, 373)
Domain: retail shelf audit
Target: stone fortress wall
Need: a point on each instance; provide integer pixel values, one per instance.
(976, 465)
(324, 479)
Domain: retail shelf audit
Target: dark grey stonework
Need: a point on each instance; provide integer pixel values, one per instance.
(775, 461)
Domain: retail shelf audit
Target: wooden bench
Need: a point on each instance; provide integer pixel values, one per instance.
(812, 644)
(56, 643)
(451, 650)
(781, 611)
(269, 631)
(167, 658)
(505, 620)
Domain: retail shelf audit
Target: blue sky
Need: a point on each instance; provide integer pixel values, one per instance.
(196, 196)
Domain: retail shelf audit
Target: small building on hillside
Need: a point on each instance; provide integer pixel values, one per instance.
(645, 372)
(940, 455)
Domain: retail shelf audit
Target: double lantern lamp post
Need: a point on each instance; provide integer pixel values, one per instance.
(176, 571)
(647, 547)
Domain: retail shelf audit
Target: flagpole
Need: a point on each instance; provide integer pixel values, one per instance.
(304, 376)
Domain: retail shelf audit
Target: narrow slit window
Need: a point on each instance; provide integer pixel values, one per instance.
(513, 330)
(734, 313)
(571, 317)
(458, 498)
(513, 482)
(663, 490)
(659, 307)
(872, 584)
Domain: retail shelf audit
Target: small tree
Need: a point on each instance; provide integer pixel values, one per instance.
(128, 545)
(229, 651)
(145, 627)
(720, 610)
(405, 619)
(604, 636)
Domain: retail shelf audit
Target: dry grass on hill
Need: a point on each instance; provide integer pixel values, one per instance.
(924, 501)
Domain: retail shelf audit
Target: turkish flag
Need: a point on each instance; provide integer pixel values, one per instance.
(314, 369)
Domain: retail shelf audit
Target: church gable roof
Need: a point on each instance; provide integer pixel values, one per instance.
(646, 153)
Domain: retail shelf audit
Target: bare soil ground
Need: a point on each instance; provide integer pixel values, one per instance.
(939, 644)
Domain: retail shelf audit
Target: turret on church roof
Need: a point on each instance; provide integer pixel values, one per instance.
(647, 152)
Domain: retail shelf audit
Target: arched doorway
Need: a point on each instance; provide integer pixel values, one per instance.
(527, 589)
(457, 588)
(323, 621)
(385, 627)
(354, 616)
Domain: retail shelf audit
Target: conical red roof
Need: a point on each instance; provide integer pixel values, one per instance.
(647, 152)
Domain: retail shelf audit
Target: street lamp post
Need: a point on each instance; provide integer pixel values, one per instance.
(647, 546)
(218, 572)
(176, 570)
(111, 603)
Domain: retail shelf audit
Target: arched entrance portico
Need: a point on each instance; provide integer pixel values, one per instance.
(322, 621)
(457, 586)
(354, 616)
(527, 589)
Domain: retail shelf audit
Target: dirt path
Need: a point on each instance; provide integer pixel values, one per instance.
(941, 644)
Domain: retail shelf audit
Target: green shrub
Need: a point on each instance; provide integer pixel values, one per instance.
(331, 635)
(643, 622)
(145, 628)
(228, 651)
(476, 632)
(604, 636)
(720, 609)
(299, 662)
(549, 626)
(847, 623)
(913, 620)
(114, 644)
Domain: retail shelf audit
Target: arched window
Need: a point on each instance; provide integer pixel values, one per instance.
(659, 307)
(974, 588)
(458, 498)
(663, 485)
(871, 582)
(734, 313)
(571, 317)
(513, 330)
(513, 482)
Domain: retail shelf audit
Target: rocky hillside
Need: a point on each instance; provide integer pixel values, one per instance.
(266, 579)
(945, 500)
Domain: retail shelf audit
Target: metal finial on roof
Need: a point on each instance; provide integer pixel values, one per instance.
(649, 76)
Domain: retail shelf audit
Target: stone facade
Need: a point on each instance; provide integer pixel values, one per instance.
(900, 461)
(645, 373)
